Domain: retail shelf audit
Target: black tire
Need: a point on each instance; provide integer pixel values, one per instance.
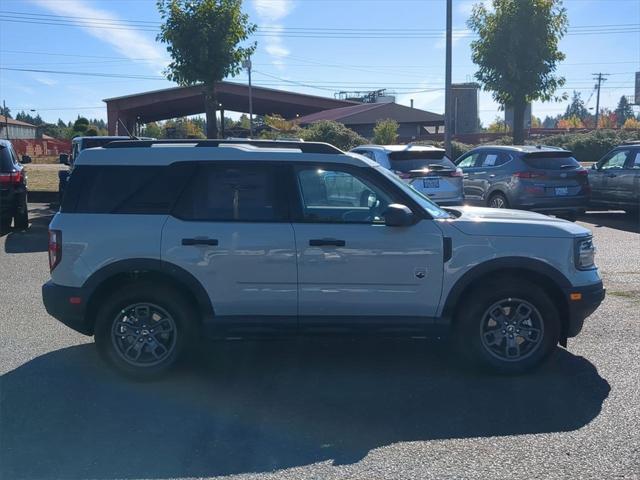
(633, 213)
(472, 317)
(497, 200)
(21, 216)
(114, 313)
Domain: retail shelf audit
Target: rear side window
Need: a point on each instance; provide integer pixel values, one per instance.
(238, 193)
(407, 160)
(551, 161)
(495, 159)
(124, 189)
(6, 162)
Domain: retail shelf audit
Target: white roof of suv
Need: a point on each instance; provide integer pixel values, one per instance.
(165, 152)
(399, 148)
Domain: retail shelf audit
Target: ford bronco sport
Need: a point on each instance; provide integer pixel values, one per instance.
(160, 242)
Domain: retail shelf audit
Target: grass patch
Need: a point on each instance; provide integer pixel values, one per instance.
(43, 177)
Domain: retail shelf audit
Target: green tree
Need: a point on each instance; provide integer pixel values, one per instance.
(203, 40)
(624, 111)
(91, 132)
(181, 128)
(332, 132)
(385, 132)
(152, 130)
(244, 121)
(498, 126)
(80, 126)
(5, 111)
(517, 52)
(576, 108)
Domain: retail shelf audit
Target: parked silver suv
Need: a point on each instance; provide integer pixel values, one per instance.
(159, 242)
(543, 179)
(425, 168)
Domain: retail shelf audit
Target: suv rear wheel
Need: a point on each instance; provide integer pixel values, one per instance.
(142, 329)
(509, 325)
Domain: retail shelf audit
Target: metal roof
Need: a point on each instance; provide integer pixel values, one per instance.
(369, 113)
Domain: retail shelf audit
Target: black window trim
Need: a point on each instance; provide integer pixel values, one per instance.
(367, 172)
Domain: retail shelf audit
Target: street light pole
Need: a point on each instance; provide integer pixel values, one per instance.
(447, 91)
(247, 64)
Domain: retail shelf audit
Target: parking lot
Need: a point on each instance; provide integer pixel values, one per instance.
(321, 409)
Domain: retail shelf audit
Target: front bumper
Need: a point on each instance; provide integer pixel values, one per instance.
(590, 298)
(58, 301)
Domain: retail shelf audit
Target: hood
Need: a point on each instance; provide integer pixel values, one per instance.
(513, 223)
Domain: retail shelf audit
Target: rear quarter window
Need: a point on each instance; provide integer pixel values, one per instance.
(551, 161)
(124, 189)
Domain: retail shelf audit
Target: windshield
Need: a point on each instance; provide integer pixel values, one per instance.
(406, 161)
(434, 210)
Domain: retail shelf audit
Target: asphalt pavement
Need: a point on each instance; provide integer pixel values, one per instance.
(319, 409)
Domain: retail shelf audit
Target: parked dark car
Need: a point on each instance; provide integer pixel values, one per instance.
(13, 188)
(538, 178)
(615, 179)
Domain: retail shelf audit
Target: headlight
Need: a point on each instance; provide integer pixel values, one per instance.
(584, 253)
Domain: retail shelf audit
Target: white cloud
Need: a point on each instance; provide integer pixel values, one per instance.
(130, 43)
(270, 12)
(45, 80)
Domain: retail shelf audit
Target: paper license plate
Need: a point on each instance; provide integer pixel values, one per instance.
(562, 190)
(431, 182)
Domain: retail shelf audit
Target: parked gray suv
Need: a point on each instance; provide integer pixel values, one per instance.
(615, 179)
(539, 178)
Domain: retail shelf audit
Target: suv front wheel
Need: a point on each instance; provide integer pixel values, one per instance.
(142, 329)
(508, 325)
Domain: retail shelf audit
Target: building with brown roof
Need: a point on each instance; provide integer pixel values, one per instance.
(16, 129)
(414, 123)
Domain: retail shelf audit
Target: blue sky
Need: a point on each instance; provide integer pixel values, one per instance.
(413, 67)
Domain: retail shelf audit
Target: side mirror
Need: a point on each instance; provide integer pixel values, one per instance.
(398, 215)
(25, 159)
(594, 166)
(64, 158)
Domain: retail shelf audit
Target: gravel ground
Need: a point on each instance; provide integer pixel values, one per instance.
(319, 410)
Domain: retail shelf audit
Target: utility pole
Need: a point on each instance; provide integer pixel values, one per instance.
(6, 119)
(247, 64)
(447, 90)
(600, 78)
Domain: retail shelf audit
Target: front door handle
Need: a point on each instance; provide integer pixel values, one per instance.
(611, 175)
(200, 241)
(321, 242)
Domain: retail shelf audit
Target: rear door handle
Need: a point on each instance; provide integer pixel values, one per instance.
(320, 242)
(200, 241)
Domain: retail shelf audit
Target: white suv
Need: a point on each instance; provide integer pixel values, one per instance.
(157, 243)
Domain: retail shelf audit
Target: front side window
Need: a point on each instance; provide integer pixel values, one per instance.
(336, 196)
(469, 161)
(239, 193)
(616, 161)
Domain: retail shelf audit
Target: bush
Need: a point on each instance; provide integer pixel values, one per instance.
(589, 147)
(332, 132)
(385, 132)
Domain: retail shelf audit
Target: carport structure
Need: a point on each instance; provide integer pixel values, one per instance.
(175, 102)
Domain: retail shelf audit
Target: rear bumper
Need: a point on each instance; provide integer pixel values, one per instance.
(591, 296)
(552, 204)
(56, 299)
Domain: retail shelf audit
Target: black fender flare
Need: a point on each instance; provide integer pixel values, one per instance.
(141, 266)
(496, 266)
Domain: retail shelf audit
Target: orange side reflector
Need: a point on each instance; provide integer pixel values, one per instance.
(575, 296)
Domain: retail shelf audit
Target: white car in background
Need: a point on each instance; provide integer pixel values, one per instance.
(425, 168)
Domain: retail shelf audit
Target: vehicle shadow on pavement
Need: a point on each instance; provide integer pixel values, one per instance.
(32, 240)
(261, 407)
(617, 220)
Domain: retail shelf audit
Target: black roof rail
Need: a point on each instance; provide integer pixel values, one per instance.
(305, 147)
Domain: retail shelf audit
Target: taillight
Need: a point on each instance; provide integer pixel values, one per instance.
(55, 248)
(529, 174)
(13, 178)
